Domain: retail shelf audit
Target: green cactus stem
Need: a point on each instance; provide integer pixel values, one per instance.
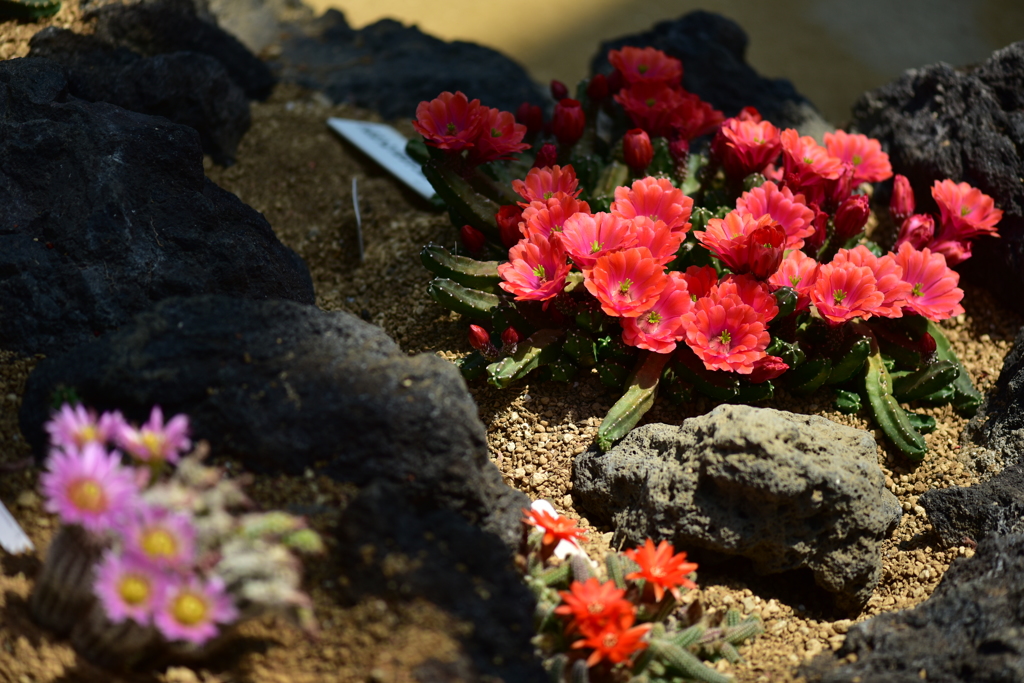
(465, 271)
(917, 384)
(477, 209)
(614, 564)
(27, 10)
(463, 300)
(847, 402)
(638, 399)
(687, 663)
(807, 378)
(966, 399)
(888, 413)
(851, 361)
(540, 348)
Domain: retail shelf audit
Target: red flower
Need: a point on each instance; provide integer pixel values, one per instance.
(568, 122)
(955, 251)
(500, 137)
(616, 643)
(547, 155)
(767, 368)
(651, 106)
(844, 291)
(934, 293)
(798, 271)
(751, 292)
(531, 116)
(479, 338)
(662, 568)
(745, 245)
(556, 528)
(657, 199)
(694, 117)
(544, 183)
(659, 328)
(806, 162)
(626, 283)
(784, 207)
(700, 280)
(545, 217)
(597, 88)
(852, 216)
(472, 238)
(901, 204)
(559, 90)
(917, 229)
(888, 279)
(745, 147)
(509, 219)
(589, 237)
(450, 121)
(536, 269)
(637, 149)
(593, 606)
(725, 333)
(646, 65)
(656, 236)
(870, 163)
(966, 211)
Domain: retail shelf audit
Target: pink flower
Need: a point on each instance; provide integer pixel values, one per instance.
(798, 271)
(870, 163)
(542, 184)
(626, 283)
(784, 207)
(73, 427)
(659, 328)
(694, 117)
(657, 199)
(888, 279)
(162, 538)
(966, 211)
(656, 236)
(700, 280)
(88, 487)
(933, 286)
(546, 217)
(536, 269)
(955, 251)
(191, 609)
(725, 333)
(589, 237)
(450, 121)
(500, 137)
(652, 106)
(844, 291)
(128, 588)
(155, 441)
(745, 245)
(901, 204)
(646, 65)
(745, 147)
(568, 122)
(918, 229)
(752, 292)
(807, 162)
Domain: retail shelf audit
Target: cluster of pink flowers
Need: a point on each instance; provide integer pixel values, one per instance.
(455, 123)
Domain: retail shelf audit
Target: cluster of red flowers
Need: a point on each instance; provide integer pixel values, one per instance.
(453, 122)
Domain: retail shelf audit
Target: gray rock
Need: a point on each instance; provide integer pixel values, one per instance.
(976, 512)
(284, 387)
(786, 491)
(186, 87)
(940, 122)
(970, 629)
(105, 211)
(713, 51)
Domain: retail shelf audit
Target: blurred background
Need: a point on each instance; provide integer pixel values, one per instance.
(832, 50)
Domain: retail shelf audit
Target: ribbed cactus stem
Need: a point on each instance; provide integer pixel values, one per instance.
(638, 399)
(614, 563)
(556, 668)
(689, 636)
(888, 413)
(581, 568)
(580, 672)
(730, 652)
(744, 630)
(557, 575)
(686, 662)
(665, 608)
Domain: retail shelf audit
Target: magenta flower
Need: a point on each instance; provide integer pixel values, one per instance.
(161, 538)
(155, 441)
(536, 268)
(587, 237)
(725, 333)
(785, 208)
(888, 279)
(870, 163)
(798, 271)
(73, 427)
(844, 291)
(966, 211)
(659, 328)
(191, 609)
(88, 487)
(128, 588)
(934, 293)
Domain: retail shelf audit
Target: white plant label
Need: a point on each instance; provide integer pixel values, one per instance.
(386, 146)
(12, 537)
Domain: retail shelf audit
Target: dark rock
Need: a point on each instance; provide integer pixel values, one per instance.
(285, 387)
(786, 491)
(163, 26)
(407, 553)
(186, 87)
(104, 211)
(999, 425)
(940, 122)
(713, 51)
(391, 68)
(970, 629)
(977, 512)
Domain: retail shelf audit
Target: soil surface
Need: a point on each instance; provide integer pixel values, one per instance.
(293, 169)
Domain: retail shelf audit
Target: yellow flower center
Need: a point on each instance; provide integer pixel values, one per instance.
(88, 434)
(153, 442)
(88, 495)
(856, 159)
(133, 589)
(159, 543)
(595, 607)
(189, 609)
(624, 287)
(964, 210)
(725, 339)
(838, 296)
(917, 291)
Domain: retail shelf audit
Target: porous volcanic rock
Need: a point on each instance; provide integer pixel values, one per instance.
(995, 506)
(999, 424)
(939, 122)
(285, 387)
(391, 68)
(186, 87)
(407, 552)
(713, 50)
(786, 491)
(104, 211)
(970, 629)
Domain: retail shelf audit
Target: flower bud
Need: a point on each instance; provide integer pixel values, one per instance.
(531, 116)
(597, 88)
(547, 156)
(852, 216)
(918, 229)
(615, 82)
(479, 339)
(472, 239)
(749, 114)
(637, 149)
(510, 337)
(559, 90)
(901, 205)
(767, 244)
(927, 344)
(817, 240)
(568, 122)
(508, 219)
(767, 368)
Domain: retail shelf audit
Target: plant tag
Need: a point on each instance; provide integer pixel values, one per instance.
(386, 146)
(12, 537)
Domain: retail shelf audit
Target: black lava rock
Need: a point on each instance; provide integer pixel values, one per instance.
(976, 512)
(713, 52)
(940, 122)
(163, 26)
(285, 387)
(104, 211)
(970, 629)
(407, 552)
(391, 68)
(186, 87)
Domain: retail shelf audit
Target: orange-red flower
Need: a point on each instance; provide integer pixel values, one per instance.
(657, 199)
(966, 211)
(556, 528)
(700, 280)
(784, 207)
(659, 328)
(652, 106)
(615, 644)
(745, 146)
(588, 237)
(745, 244)
(450, 121)
(807, 162)
(888, 279)
(798, 271)
(500, 137)
(752, 292)
(657, 237)
(844, 291)
(592, 606)
(542, 184)
(870, 163)
(662, 568)
(725, 333)
(546, 217)
(646, 65)
(626, 283)
(934, 293)
(536, 269)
